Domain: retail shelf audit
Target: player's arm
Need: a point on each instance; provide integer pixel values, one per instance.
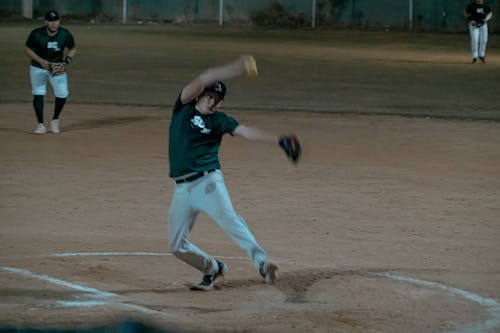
(290, 144)
(228, 71)
(44, 63)
(71, 54)
(253, 133)
(467, 14)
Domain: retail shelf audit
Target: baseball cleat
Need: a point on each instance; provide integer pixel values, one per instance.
(269, 271)
(209, 280)
(54, 126)
(40, 129)
(474, 60)
(483, 60)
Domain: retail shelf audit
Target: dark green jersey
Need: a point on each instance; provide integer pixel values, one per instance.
(50, 48)
(477, 12)
(194, 139)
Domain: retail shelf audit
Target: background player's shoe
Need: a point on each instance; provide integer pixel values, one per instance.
(54, 126)
(40, 129)
(483, 60)
(474, 60)
(269, 271)
(209, 280)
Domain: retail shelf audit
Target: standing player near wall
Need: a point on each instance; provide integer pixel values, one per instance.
(478, 14)
(45, 46)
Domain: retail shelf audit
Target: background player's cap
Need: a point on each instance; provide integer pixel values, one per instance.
(52, 15)
(218, 87)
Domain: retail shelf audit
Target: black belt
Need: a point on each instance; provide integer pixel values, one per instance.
(193, 177)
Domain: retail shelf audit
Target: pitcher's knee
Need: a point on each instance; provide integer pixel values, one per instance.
(173, 248)
(176, 253)
(177, 248)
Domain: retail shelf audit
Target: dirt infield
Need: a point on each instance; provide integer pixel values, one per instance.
(388, 224)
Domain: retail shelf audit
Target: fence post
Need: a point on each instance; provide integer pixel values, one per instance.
(28, 9)
(124, 12)
(313, 23)
(221, 12)
(410, 11)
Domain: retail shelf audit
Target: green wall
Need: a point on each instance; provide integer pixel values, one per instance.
(439, 15)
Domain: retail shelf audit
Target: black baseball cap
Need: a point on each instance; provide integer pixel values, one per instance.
(218, 87)
(51, 15)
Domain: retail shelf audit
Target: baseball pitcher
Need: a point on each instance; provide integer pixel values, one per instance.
(195, 135)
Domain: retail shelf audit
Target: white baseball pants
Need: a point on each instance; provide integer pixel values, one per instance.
(478, 40)
(207, 194)
(39, 78)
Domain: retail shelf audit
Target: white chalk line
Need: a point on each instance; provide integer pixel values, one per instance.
(92, 254)
(159, 254)
(491, 304)
(92, 291)
(104, 297)
(81, 304)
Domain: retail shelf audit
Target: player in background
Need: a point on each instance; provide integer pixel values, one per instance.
(45, 47)
(478, 14)
(195, 135)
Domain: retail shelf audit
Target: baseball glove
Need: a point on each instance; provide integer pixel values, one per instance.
(291, 146)
(57, 68)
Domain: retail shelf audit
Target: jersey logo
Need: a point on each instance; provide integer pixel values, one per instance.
(53, 45)
(218, 87)
(198, 122)
(480, 10)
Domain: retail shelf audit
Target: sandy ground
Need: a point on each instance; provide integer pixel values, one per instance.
(387, 224)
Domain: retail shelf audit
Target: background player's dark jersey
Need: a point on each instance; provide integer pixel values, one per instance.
(50, 48)
(477, 12)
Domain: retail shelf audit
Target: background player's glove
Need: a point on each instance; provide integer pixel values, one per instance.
(291, 146)
(57, 68)
(476, 24)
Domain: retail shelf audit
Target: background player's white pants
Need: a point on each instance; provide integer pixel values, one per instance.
(207, 194)
(478, 40)
(39, 78)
